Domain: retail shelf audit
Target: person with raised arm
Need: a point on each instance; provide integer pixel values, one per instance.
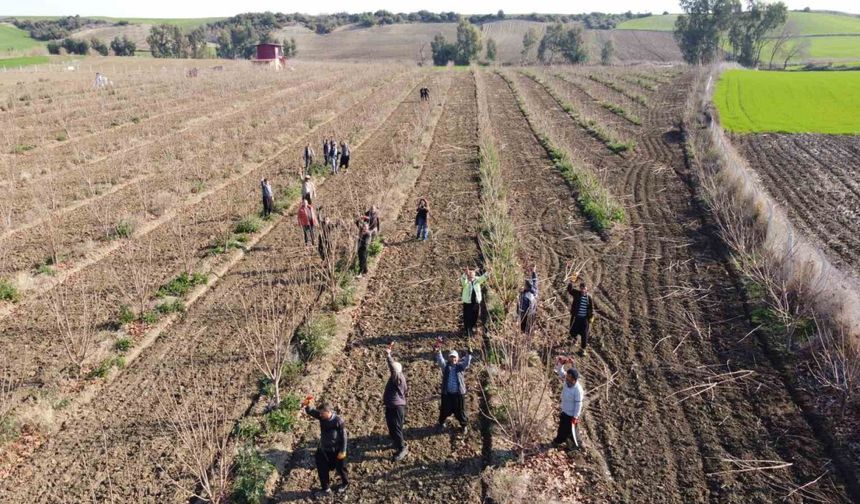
(453, 393)
(331, 450)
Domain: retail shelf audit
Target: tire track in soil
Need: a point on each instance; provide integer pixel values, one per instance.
(128, 452)
(30, 331)
(440, 467)
(663, 236)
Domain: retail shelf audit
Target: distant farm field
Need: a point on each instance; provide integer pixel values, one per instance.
(23, 61)
(808, 23)
(751, 101)
(655, 23)
(14, 39)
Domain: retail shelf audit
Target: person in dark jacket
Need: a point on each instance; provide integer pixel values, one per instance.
(527, 305)
(268, 197)
(326, 151)
(581, 314)
(344, 155)
(421, 216)
(372, 219)
(331, 451)
(324, 245)
(363, 244)
(394, 399)
(453, 392)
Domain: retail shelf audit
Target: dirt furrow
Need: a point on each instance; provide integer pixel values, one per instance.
(128, 453)
(409, 303)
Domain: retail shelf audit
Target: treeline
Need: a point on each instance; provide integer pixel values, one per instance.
(120, 46)
(53, 29)
(171, 41)
(707, 27)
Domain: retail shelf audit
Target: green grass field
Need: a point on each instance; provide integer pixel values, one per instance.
(13, 39)
(23, 61)
(753, 101)
(809, 23)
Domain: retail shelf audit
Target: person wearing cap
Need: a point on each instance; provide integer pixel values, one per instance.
(527, 305)
(453, 399)
(309, 190)
(331, 450)
(581, 314)
(394, 399)
(572, 396)
(471, 298)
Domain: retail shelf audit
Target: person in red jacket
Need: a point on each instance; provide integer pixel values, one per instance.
(307, 220)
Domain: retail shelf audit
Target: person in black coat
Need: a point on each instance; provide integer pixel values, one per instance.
(581, 314)
(331, 451)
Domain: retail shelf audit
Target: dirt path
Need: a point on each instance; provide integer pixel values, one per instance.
(120, 446)
(670, 319)
(412, 300)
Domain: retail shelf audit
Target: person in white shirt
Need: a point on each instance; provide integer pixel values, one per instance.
(572, 396)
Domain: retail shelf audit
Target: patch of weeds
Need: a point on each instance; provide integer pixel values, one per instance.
(126, 315)
(172, 306)
(288, 196)
(198, 187)
(247, 429)
(62, 404)
(234, 242)
(9, 430)
(314, 336)
(123, 344)
(318, 169)
(282, 418)
(182, 284)
(62, 136)
(266, 387)
(22, 148)
(105, 366)
(375, 248)
(252, 472)
(122, 229)
(46, 270)
(149, 317)
(135, 120)
(248, 225)
(8, 292)
(345, 297)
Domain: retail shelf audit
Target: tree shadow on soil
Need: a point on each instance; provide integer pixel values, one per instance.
(411, 338)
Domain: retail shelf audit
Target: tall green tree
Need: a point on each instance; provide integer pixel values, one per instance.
(749, 31)
(569, 42)
(607, 52)
(197, 47)
(529, 41)
(160, 40)
(491, 49)
(468, 42)
(443, 52)
(700, 31)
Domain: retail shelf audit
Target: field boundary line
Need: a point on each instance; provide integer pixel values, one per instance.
(90, 390)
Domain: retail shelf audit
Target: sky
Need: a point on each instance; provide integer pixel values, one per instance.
(223, 8)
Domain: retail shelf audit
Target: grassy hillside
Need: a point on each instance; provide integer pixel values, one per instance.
(183, 22)
(655, 23)
(792, 102)
(23, 61)
(809, 23)
(13, 39)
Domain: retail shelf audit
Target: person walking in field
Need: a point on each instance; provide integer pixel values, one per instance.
(307, 220)
(422, 214)
(453, 394)
(268, 197)
(363, 245)
(581, 314)
(332, 152)
(471, 297)
(371, 217)
(344, 155)
(572, 396)
(331, 450)
(309, 190)
(527, 304)
(308, 158)
(326, 151)
(394, 399)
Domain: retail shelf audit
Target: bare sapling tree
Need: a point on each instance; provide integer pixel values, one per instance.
(835, 365)
(519, 389)
(139, 276)
(77, 311)
(200, 429)
(8, 383)
(46, 202)
(267, 320)
(181, 227)
(336, 246)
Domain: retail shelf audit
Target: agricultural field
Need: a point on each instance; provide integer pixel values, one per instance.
(143, 296)
(789, 102)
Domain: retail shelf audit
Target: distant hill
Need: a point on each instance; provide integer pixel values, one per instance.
(809, 23)
(14, 40)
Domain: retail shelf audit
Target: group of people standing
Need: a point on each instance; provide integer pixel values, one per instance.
(335, 156)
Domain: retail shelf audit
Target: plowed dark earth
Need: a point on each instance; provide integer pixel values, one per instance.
(673, 425)
(411, 300)
(814, 177)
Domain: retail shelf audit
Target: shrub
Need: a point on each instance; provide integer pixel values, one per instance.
(375, 248)
(247, 429)
(123, 344)
(8, 292)
(9, 430)
(282, 418)
(126, 316)
(122, 229)
(315, 335)
(172, 306)
(99, 46)
(252, 471)
(149, 317)
(46, 270)
(182, 284)
(53, 47)
(103, 369)
(22, 148)
(248, 225)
